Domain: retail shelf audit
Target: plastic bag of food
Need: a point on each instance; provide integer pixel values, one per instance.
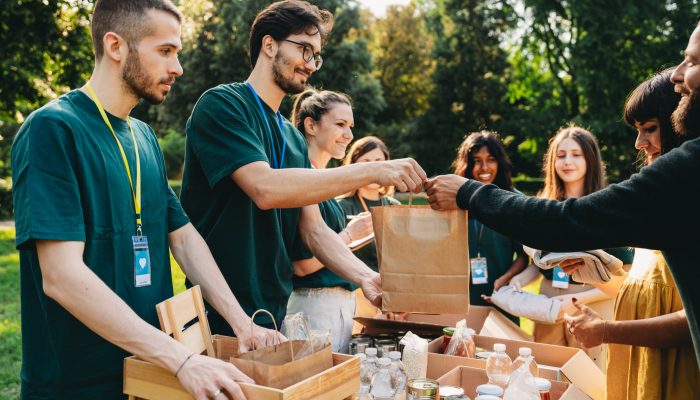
(462, 341)
(415, 355)
(295, 327)
(318, 340)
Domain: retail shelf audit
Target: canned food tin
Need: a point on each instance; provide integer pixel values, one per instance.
(422, 389)
(451, 393)
(359, 344)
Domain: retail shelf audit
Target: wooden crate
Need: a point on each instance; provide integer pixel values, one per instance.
(145, 380)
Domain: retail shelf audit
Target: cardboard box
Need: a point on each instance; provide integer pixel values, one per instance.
(566, 364)
(145, 380)
(485, 321)
(469, 378)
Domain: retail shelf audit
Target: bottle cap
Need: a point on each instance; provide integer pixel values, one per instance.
(384, 362)
(361, 356)
(487, 388)
(371, 351)
(525, 351)
(543, 384)
(395, 355)
(499, 347)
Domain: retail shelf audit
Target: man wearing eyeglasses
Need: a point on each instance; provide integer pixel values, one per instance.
(248, 185)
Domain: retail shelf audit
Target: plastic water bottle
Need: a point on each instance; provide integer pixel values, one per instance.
(524, 354)
(365, 378)
(398, 373)
(372, 361)
(382, 389)
(499, 366)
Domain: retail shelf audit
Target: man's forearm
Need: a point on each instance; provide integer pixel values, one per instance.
(196, 261)
(69, 282)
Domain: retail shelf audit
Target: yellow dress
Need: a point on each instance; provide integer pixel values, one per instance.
(641, 373)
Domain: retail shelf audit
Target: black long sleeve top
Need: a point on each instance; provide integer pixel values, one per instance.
(657, 208)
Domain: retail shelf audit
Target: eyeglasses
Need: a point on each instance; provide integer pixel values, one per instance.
(307, 52)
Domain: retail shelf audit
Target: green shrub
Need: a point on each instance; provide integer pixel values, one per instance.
(6, 209)
(173, 146)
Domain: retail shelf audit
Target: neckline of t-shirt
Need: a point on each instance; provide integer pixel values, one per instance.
(92, 107)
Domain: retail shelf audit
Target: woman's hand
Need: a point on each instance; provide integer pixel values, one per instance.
(567, 306)
(588, 327)
(571, 265)
(360, 226)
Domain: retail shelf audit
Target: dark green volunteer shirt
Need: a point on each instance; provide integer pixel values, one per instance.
(624, 254)
(656, 208)
(70, 184)
(353, 206)
(227, 131)
(334, 217)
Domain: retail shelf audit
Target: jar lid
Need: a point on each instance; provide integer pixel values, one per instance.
(488, 388)
(542, 384)
(449, 331)
(449, 392)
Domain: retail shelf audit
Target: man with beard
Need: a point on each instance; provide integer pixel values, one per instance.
(656, 208)
(95, 218)
(248, 186)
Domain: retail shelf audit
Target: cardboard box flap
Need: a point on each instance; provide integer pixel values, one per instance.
(497, 325)
(469, 378)
(585, 374)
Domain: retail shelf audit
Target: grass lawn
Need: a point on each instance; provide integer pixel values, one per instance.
(10, 337)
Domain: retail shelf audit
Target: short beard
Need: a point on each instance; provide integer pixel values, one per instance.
(137, 80)
(686, 118)
(287, 85)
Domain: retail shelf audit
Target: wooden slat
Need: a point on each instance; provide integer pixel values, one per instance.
(336, 383)
(182, 301)
(192, 339)
(225, 347)
(203, 321)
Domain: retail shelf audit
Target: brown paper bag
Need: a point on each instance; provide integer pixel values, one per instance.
(423, 259)
(275, 366)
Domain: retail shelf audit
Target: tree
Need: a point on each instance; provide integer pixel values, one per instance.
(469, 80)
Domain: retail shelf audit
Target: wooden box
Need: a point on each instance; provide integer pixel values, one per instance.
(145, 380)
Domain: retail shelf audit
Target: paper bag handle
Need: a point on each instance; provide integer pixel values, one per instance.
(252, 318)
(410, 199)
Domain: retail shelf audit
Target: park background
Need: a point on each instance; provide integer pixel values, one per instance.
(421, 74)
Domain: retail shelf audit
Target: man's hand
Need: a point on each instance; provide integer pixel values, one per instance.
(209, 378)
(571, 265)
(372, 289)
(404, 174)
(258, 338)
(442, 191)
(588, 327)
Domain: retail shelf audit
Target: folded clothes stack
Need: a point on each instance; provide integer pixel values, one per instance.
(599, 266)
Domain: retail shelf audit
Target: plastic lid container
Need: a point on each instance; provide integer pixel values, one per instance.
(487, 397)
(487, 388)
(384, 362)
(371, 351)
(449, 331)
(525, 351)
(542, 384)
(395, 355)
(499, 347)
(361, 356)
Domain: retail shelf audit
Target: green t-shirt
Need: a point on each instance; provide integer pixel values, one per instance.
(499, 251)
(353, 206)
(70, 184)
(227, 131)
(334, 217)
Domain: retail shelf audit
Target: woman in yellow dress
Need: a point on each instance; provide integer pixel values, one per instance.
(650, 352)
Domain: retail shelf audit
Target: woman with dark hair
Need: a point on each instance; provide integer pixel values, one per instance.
(495, 259)
(573, 167)
(326, 120)
(647, 302)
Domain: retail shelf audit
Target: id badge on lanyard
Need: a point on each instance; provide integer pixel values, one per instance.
(142, 261)
(560, 279)
(480, 273)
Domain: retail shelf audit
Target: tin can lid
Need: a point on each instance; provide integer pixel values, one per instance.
(449, 331)
(448, 392)
(490, 389)
(542, 384)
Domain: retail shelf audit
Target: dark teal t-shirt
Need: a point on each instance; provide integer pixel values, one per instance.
(70, 184)
(334, 217)
(251, 246)
(353, 206)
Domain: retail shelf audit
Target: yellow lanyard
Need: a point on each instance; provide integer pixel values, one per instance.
(136, 195)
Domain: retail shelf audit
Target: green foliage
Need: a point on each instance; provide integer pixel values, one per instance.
(173, 146)
(10, 336)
